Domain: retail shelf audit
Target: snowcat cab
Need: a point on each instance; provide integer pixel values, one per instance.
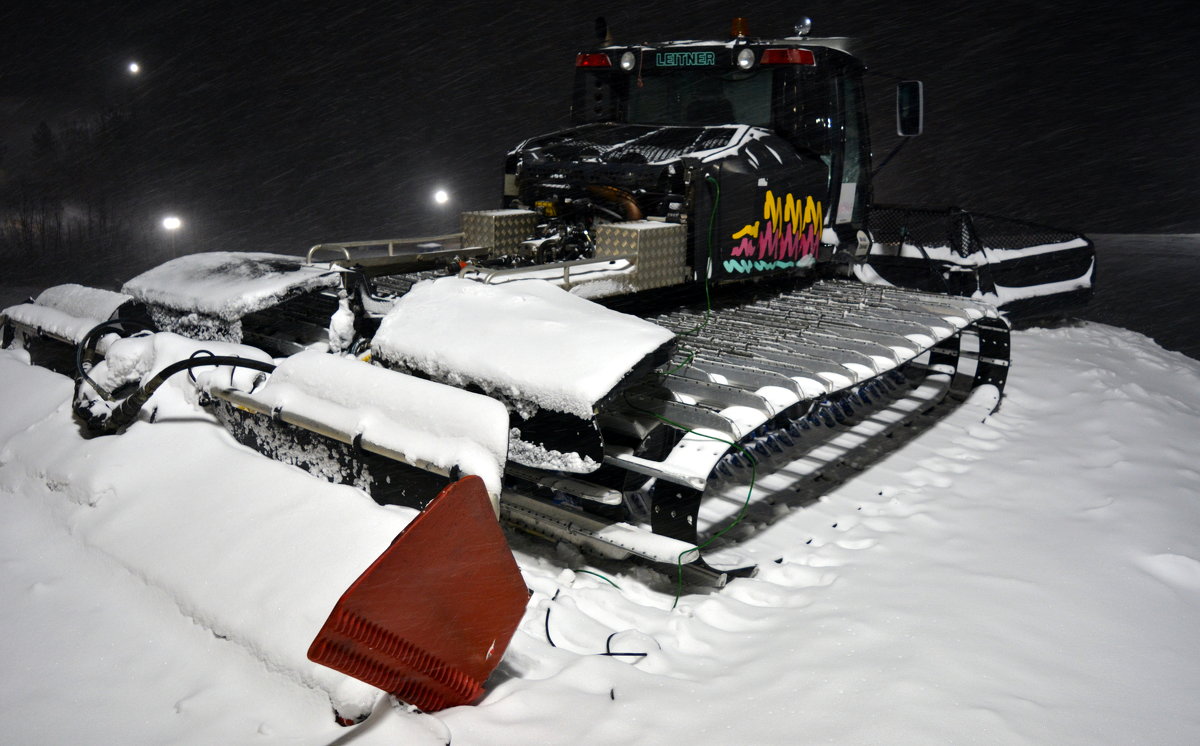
(734, 142)
(760, 150)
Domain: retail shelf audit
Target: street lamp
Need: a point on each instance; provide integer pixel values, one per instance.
(134, 68)
(441, 196)
(171, 224)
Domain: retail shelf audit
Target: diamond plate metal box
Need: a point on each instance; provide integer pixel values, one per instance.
(500, 231)
(659, 250)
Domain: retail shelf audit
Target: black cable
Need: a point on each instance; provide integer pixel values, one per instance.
(89, 339)
(127, 411)
(608, 651)
(904, 237)
(549, 639)
(195, 355)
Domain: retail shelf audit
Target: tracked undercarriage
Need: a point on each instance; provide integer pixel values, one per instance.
(816, 371)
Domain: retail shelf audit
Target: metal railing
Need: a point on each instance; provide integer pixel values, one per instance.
(962, 231)
(390, 243)
(491, 276)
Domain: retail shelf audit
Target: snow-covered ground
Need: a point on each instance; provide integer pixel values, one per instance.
(1029, 578)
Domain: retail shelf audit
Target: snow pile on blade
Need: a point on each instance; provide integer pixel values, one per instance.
(425, 421)
(228, 285)
(525, 340)
(67, 311)
(288, 546)
(86, 302)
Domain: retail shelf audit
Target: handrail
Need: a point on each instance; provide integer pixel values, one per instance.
(391, 244)
(497, 275)
(324, 247)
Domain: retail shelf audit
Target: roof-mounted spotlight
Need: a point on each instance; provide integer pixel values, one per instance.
(804, 26)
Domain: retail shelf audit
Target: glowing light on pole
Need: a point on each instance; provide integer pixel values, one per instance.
(171, 224)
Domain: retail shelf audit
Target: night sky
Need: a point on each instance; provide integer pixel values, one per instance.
(277, 125)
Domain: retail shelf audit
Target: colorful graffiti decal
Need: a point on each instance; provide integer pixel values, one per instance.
(790, 237)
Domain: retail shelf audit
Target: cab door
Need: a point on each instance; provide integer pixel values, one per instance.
(851, 169)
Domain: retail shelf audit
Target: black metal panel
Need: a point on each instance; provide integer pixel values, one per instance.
(769, 211)
(388, 482)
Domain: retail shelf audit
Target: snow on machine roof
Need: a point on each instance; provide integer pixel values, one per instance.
(525, 340)
(228, 284)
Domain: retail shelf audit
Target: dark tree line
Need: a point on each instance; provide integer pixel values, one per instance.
(62, 212)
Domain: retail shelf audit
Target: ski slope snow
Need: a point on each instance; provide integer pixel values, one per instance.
(1030, 577)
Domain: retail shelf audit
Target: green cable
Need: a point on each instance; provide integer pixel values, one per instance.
(691, 355)
(589, 572)
(741, 512)
(740, 515)
(712, 222)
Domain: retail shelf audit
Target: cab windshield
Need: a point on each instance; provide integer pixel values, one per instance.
(700, 96)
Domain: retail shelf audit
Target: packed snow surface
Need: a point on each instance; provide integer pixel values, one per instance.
(226, 284)
(1032, 577)
(423, 420)
(256, 559)
(526, 341)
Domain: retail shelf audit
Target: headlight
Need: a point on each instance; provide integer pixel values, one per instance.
(628, 60)
(745, 59)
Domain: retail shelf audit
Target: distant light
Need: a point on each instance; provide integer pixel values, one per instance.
(134, 68)
(441, 196)
(172, 223)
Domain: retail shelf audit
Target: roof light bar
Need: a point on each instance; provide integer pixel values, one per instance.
(787, 57)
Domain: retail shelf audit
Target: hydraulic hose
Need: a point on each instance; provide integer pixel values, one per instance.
(86, 346)
(127, 411)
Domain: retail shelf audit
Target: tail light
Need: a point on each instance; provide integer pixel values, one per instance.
(787, 57)
(592, 59)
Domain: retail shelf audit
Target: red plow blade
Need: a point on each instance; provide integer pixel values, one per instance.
(430, 619)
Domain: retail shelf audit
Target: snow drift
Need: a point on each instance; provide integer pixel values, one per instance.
(1030, 578)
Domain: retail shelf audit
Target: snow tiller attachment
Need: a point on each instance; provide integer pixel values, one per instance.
(53, 325)
(430, 617)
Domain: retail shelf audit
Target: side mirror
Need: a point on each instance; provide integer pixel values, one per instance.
(910, 108)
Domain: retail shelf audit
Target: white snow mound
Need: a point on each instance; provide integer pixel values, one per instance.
(523, 340)
(227, 284)
(67, 311)
(256, 552)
